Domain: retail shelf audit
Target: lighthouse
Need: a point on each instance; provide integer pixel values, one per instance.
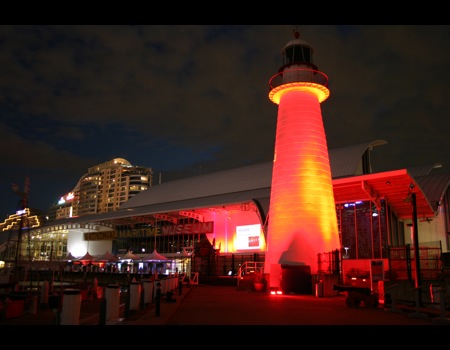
(302, 220)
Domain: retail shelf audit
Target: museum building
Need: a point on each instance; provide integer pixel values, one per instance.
(223, 216)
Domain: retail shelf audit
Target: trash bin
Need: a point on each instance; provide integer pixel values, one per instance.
(435, 290)
(319, 289)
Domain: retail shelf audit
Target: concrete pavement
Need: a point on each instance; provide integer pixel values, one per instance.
(225, 305)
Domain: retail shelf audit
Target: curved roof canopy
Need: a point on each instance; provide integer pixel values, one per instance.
(353, 180)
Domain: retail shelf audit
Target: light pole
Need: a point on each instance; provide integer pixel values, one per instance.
(418, 280)
(411, 198)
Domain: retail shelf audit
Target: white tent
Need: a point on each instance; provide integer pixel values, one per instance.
(183, 255)
(155, 256)
(108, 257)
(86, 257)
(70, 257)
(129, 256)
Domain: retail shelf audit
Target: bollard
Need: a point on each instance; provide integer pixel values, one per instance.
(442, 318)
(134, 291)
(71, 307)
(102, 314)
(389, 300)
(142, 297)
(158, 300)
(153, 292)
(148, 291)
(57, 317)
(100, 292)
(418, 313)
(44, 294)
(112, 297)
(319, 289)
(126, 313)
(33, 305)
(173, 283)
(442, 302)
(434, 293)
(94, 290)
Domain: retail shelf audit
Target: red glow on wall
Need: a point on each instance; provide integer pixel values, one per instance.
(302, 214)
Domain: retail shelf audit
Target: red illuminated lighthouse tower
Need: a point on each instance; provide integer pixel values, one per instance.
(302, 213)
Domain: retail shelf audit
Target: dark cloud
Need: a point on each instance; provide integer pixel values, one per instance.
(192, 99)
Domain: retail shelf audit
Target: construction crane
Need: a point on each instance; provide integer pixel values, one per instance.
(22, 205)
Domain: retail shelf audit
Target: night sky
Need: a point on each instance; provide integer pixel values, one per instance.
(193, 99)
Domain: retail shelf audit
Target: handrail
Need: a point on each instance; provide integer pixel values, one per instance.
(293, 74)
(250, 267)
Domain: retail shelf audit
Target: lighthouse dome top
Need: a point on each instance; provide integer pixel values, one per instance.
(297, 52)
(296, 42)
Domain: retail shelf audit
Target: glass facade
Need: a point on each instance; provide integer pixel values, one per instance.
(363, 230)
(144, 238)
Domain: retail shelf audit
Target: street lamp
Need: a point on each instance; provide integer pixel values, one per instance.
(418, 281)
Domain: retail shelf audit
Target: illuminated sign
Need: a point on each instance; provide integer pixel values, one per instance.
(248, 237)
(202, 227)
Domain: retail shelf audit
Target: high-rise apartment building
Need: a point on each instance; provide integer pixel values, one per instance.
(103, 189)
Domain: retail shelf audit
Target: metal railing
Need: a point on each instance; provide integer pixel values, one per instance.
(250, 267)
(402, 263)
(289, 75)
(248, 270)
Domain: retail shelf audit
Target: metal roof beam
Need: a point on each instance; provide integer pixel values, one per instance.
(166, 217)
(192, 214)
(373, 195)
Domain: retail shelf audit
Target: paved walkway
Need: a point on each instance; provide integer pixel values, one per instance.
(225, 305)
(219, 305)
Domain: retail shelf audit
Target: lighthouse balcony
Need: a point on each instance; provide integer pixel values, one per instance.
(300, 75)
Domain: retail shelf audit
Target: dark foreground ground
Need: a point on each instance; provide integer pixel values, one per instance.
(222, 313)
